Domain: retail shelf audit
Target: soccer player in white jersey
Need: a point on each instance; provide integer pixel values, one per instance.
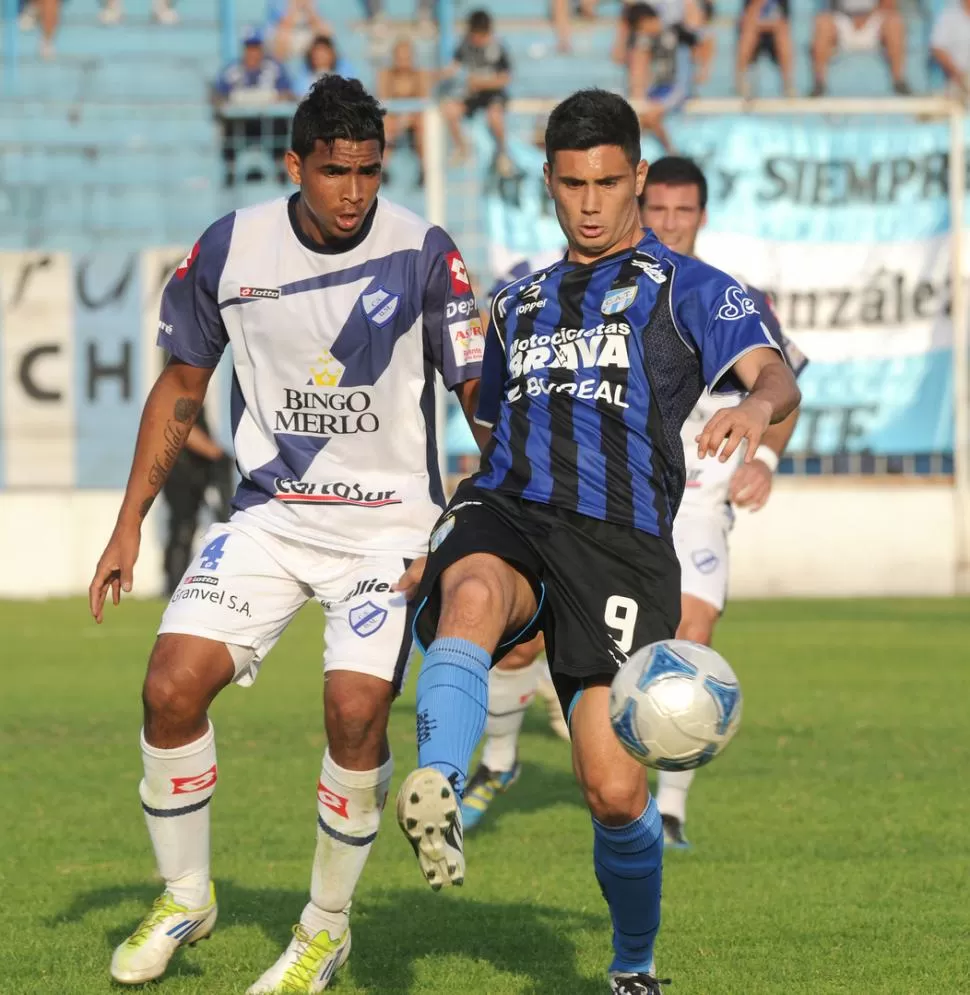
(341, 308)
(674, 205)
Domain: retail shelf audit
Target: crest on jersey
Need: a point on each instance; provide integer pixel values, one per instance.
(326, 371)
(617, 301)
(380, 306)
(367, 618)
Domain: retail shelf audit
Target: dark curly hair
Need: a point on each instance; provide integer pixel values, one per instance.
(336, 108)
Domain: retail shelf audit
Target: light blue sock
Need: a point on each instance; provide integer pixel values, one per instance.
(628, 861)
(452, 706)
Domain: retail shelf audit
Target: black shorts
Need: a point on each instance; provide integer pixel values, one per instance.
(483, 99)
(602, 589)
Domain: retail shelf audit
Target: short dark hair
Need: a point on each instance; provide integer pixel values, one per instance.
(634, 13)
(336, 108)
(480, 21)
(677, 171)
(593, 117)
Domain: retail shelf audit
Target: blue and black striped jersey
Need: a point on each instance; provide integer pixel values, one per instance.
(591, 370)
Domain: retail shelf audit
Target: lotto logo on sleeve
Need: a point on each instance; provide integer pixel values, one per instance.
(460, 283)
(186, 264)
(198, 782)
(468, 340)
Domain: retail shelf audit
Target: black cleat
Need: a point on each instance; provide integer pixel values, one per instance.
(636, 984)
(674, 837)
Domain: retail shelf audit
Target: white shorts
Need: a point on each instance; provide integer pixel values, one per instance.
(702, 548)
(853, 39)
(246, 584)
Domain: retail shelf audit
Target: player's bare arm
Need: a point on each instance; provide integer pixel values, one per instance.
(751, 484)
(167, 419)
(773, 395)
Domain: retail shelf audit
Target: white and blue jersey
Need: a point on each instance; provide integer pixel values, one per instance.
(335, 357)
(591, 370)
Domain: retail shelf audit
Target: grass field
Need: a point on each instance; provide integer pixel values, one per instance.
(832, 841)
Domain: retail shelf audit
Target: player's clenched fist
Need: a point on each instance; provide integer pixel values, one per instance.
(730, 426)
(751, 485)
(114, 569)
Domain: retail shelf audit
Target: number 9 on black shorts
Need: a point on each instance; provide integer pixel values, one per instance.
(603, 590)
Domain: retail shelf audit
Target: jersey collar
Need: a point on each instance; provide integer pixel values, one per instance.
(337, 247)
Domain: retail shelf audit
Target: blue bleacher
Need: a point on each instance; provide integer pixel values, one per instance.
(115, 139)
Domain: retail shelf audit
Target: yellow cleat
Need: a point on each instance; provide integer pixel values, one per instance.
(307, 965)
(146, 953)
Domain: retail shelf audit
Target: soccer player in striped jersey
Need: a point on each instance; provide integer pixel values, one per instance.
(341, 308)
(591, 368)
(674, 206)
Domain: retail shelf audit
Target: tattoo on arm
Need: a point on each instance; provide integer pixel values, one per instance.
(176, 430)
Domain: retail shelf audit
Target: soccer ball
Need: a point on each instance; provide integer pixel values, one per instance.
(675, 705)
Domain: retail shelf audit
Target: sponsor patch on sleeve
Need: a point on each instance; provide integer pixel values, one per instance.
(460, 283)
(468, 341)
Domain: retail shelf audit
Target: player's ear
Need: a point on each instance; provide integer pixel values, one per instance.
(294, 167)
(641, 176)
(547, 176)
(703, 218)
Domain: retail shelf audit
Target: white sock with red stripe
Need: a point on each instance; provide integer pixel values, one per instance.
(510, 693)
(349, 805)
(175, 794)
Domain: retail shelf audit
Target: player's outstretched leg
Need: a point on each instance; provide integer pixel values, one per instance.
(547, 691)
(511, 688)
(672, 789)
(482, 597)
(628, 841)
(350, 799)
(179, 753)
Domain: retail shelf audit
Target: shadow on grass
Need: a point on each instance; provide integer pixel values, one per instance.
(395, 929)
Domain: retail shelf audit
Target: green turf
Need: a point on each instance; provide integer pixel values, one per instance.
(832, 841)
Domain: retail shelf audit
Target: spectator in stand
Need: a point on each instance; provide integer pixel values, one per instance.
(162, 11)
(658, 67)
(291, 26)
(483, 60)
(860, 26)
(692, 16)
(764, 29)
(402, 80)
(48, 12)
(321, 59)
(559, 15)
(254, 81)
(950, 46)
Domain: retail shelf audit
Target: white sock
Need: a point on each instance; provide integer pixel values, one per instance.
(672, 788)
(509, 695)
(349, 805)
(175, 794)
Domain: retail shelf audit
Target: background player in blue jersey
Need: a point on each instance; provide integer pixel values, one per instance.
(341, 309)
(591, 367)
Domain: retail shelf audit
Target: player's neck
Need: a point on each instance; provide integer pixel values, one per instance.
(625, 242)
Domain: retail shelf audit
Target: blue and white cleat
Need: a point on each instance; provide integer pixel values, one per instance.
(481, 790)
(674, 838)
(146, 953)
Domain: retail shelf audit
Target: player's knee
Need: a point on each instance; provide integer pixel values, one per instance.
(175, 692)
(697, 630)
(470, 599)
(354, 723)
(616, 801)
